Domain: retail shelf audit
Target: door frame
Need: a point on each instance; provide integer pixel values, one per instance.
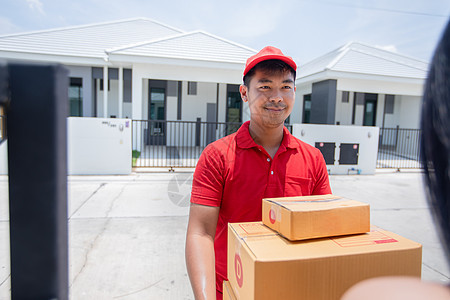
(159, 139)
(374, 99)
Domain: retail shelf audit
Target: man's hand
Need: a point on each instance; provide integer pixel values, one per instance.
(200, 259)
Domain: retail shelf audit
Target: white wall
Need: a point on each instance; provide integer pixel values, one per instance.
(366, 137)
(379, 86)
(344, 111)
(410, 111)
(94, 145)
(222, 102)
(99, 146)
(194, 106)
(380, 110)
(297, 111)
(126, 110)
(208, 76)
(407, 112)
(113, 99)
(407, 104)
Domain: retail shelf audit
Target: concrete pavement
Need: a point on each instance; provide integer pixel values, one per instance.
(127, 233)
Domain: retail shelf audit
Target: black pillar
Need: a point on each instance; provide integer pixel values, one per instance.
(323, 102)
(37, 166)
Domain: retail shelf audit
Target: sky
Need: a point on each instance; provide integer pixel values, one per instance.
(303, 29)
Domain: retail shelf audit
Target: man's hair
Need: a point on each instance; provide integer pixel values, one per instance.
(271, 66)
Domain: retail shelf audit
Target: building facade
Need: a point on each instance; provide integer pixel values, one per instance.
(153, 71)
(361, 85)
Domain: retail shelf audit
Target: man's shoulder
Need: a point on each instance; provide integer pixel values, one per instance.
(221, 145)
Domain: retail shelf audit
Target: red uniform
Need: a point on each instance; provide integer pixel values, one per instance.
(235, 174)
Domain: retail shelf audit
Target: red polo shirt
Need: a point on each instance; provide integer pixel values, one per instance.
(236, 174)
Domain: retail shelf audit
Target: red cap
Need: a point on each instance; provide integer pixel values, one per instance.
(267, 53)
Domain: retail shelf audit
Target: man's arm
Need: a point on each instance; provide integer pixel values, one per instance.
(200, 258)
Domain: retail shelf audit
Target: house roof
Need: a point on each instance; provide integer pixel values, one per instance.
(359, 59)
(197, 45)
(135, 37)
(88, 40)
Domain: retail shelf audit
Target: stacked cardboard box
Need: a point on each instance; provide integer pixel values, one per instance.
(262, 264)
(308, 217)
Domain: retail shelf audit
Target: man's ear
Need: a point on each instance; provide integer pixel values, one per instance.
(244, 92)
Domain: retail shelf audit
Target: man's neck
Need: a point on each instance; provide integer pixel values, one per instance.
(269, 138)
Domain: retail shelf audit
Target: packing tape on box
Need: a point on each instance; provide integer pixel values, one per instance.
(313, 201)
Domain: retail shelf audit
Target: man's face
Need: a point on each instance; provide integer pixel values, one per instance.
(270, 97)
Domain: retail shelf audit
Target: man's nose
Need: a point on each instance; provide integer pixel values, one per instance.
(276, 96)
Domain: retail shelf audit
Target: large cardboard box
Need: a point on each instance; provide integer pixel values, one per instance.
(228, 291)
(306, 217)
(264, 265)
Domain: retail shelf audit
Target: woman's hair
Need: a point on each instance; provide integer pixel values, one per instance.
(435, 142)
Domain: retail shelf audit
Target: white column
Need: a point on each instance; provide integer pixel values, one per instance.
(136, 94)
(120, 91)
(105, 91)
(136, 106)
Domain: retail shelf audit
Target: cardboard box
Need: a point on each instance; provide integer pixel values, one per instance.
(300, 218)
(228, 291)
(264, 265)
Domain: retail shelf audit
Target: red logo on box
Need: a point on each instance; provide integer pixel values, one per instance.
(238, 270)
(272, 216)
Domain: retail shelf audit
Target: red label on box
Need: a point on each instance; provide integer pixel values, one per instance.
(272, 216)
(239, 272)
(371, 238)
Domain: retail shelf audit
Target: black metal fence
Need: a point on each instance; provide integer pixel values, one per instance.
(399, 148)
(178, 144)
(172, 144)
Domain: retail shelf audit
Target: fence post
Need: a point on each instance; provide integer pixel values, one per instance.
(396, 137)
(198, 131)
(37, 167)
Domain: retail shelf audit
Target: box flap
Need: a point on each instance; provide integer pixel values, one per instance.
(256, 236)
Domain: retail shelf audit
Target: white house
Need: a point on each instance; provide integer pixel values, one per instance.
(157, 74)
(154, 71)
(360, 85)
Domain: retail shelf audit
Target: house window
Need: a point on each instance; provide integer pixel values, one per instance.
(370, 109)
(233, 108)
(306, 108)
(192, 88)
(127, 85)
(76, 97)
(389, 104)
(345, 97)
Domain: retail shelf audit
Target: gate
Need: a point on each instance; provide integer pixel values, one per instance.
(178, 145)
(399, 148)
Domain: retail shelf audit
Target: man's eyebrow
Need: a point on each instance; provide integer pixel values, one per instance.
(264, 80)
(288, 81)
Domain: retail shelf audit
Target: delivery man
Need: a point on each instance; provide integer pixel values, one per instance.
(262, 159)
